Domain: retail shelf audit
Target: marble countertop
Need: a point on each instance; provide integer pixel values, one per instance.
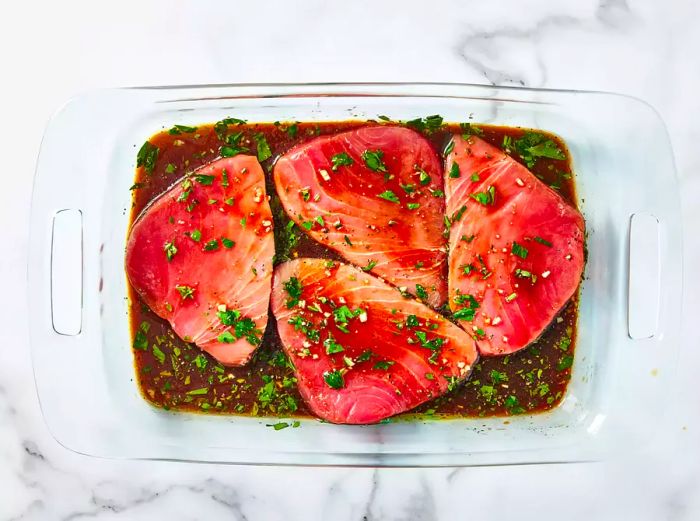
(53, 50)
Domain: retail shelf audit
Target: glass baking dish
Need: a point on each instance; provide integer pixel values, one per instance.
(629, 308)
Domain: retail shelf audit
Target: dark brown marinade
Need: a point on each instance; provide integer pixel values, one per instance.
(175, 375)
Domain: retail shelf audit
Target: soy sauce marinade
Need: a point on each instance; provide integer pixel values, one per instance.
(176, 375)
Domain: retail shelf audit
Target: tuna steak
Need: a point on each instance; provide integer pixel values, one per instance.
(516, 247)
(375, 195)
(362, 351)
(200, 256)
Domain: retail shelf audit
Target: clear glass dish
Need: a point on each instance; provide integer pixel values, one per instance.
(629, 307)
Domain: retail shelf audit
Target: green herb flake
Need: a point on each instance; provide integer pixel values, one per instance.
(470, 130)
(542, 241)
(221, 127)
(147, 157)
(371, 264)
(364, 356)
(565, 362)
(170, 168)
(334, 379)
(413, 206)
(231, 151)
(170, 250)
(383, 365)
(185, 292)
(486, 198)
(181, 129)
(454, 171)
(429, 124)
(520, 251)
(264, 151)
(293, 289)
(421, 293)
(160, 355)
(342, 159)
(198, 392)
(140, 338)
(534, 145)
(388, 195)
(373, 160)
(212, 245)
(423, 176)
(449, 148)
(332, 346)
(204, 179)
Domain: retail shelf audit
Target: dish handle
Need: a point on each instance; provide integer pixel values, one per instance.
(66, 272)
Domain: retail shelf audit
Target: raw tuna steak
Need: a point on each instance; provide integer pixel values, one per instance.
(516, 247)
(201, 255)
(362, 351)
(375, 196)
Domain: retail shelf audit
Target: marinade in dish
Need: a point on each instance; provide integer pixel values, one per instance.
(176, 375)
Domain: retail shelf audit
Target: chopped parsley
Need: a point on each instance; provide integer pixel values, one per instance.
(221, 127)
(230, 151)
(421, 293)
(520, 251)
(371, 264)
(170, 168)
(428, 124)
(373, 160)
(413, 206)
(513, 405)
(147, 157)
(242, 328)
(542, 241)
(170, 250)
(423, 176)
(195, 235)
(454, 171)
(228, 243)
(498, 377)
(565, 362)
(383, 365)
(293, 289)
(264, 151)
(332, 346)
(185, 292)
(388, 195)
(364, 356)
(181, 129)
(292, 130)
(140, 338)
(470, 130)
(212, 245)
(486, 198)
(343, 159)
(334, 379)
(204, 179)
(534, 145)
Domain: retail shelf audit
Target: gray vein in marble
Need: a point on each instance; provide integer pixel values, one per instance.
(372, 497)
(478, 48)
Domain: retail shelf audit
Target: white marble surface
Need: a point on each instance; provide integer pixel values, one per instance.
(53, 50)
